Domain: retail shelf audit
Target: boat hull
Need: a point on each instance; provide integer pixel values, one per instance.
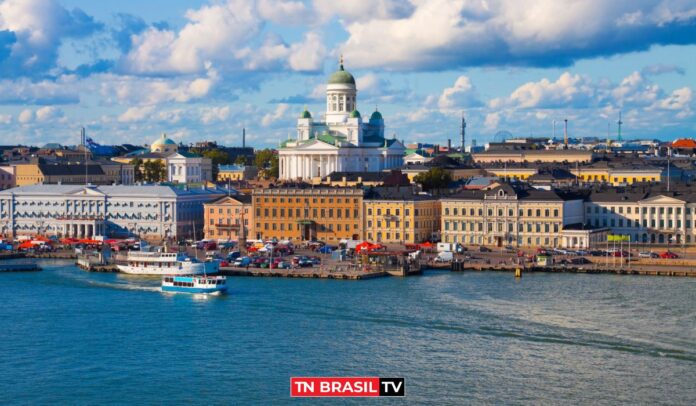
(185, 269)
(182, 289)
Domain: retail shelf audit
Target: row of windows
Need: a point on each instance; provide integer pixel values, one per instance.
(320, 227)
(322, 200)
(500, 212)
(502, 227)
(379, 236)
(229, 210)
(645, 210)
(652, 223)
(322, 213)
(228, 221)
(407, 212)
(407, 224)
(471, 239)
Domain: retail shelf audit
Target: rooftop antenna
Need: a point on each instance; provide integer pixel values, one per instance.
(463, 133)
(619, 127)
(84, 146)
(565, 133)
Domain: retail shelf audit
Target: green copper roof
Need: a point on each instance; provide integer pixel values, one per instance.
(376, 116)
(342, 77)
(355, 114)
(305, 114)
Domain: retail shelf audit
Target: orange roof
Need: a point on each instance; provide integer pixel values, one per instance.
(684, 143)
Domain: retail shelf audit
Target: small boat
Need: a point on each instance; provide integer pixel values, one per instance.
(164, 263)
(194, 284)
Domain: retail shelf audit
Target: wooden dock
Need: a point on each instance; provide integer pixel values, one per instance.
(587, 269)
(302, 273)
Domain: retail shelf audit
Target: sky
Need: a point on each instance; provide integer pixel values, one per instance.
(130, 70)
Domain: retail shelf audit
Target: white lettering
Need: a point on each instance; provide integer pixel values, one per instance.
(303, 387)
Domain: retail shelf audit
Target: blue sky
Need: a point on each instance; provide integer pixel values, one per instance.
(130, 70)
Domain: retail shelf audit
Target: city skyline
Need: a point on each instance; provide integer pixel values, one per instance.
(203, 70)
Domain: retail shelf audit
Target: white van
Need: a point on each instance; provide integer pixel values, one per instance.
(444, 256)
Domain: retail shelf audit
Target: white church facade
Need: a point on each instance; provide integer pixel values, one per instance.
(341, 141)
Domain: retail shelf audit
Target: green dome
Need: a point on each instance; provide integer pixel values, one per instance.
(355, 114)
(305, 114)
(341, 77)
(376, 116)
(163, 140)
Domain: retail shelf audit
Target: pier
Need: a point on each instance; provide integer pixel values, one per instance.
(304, 273)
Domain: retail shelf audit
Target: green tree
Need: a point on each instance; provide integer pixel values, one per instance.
(137, 169)
(267, 162)
(240, 160)
(154, 171)
(218, 157)
(434, 179)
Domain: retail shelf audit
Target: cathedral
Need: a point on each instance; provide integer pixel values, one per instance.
(340, 141)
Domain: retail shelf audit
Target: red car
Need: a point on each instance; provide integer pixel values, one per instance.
(669, 255)
(620, 254)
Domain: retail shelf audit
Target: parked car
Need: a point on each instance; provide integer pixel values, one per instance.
(233, 255)
(669, 255)
(510, 248)
(648, 254)
(484, 249)
(582, 252)
(598, 253)
(619, 254)
(242, 262)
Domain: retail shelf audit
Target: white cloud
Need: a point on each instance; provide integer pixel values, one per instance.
(492, 121)
(26, 116)
(134, 114)
(441, 34)
(212, 33)
(48, 113)
(285, 12)
(39, 28)
(5, 118)
(148, 91)
(276, 115)
(567, 91)
(359, 10)
(461, 95)
(211, 114)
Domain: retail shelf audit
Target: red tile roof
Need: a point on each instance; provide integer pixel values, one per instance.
(684, 143)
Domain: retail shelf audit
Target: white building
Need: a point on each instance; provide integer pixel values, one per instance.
(150, 212)
(341, 141)
(187, 168)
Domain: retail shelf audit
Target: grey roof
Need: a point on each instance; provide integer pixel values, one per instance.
(523, 193)
(65, 170)
(116, 190)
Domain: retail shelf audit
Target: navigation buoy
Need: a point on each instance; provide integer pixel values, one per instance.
(518, 273)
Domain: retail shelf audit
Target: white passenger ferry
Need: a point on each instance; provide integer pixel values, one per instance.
(165, 263)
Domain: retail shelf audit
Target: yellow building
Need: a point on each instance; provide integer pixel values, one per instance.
(507, 215)
(617, 176)
(236, 173)
(303, 214)
(224, 217)
(407, 220)
(512, 173)
(560, 155)
(28, 174)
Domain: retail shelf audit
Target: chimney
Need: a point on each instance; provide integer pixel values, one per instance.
(565, 133)
(449, 144)
(243, 137)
